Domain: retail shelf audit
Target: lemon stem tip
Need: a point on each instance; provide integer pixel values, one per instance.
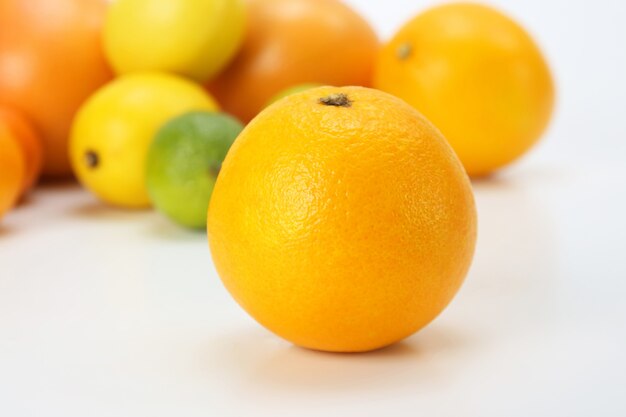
(91, 159)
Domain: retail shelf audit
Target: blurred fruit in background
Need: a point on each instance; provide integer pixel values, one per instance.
(30, 142)
(477, 75)
(12, 170)
(51, 60)
(342, 220)
(292, 90)
(291, 42)
(184, 161)
(193, 38)
(114, 128)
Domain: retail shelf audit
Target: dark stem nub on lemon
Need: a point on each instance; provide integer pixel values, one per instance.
(404, 51)
(337, 100)
(91, 159)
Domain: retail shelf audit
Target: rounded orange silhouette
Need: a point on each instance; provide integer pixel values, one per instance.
(290, 42)
(477, 75)
(342, 220)
(30, 142)
(51, 60)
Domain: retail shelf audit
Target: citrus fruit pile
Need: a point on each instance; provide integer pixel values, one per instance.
(333, 167)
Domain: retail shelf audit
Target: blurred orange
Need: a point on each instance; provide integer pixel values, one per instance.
(50, 62)
(12, 174)
(30, 142)
(477, 75)
(291, 42)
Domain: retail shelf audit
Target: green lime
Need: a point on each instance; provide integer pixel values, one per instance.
(183, 163)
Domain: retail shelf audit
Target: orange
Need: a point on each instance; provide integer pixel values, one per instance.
(51, 60)
(30, 142)
(11, 170)
(342, 220)
(477, 75)
(290, 42)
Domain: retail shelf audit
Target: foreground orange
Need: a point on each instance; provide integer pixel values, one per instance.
(30, 142)
(342, 220)
(290, 42)
(51, 60)
(11, 170)
(477, 75)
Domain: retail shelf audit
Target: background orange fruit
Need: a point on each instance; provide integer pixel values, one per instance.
(51, 60)
(342, 220)
(30, 142)
(290, 42)
(11, 170)
(477, 75)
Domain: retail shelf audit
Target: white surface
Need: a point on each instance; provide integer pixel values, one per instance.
(111, 313)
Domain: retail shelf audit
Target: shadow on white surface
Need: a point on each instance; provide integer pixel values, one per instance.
(94, 210)
(163, 229)
(5, 231)
(263, 360)
(27, 200)
(513, 283)
(401, 364)
(54, 187)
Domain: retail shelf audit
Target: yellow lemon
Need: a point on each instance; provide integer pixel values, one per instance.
(194, 38)
(114, 128)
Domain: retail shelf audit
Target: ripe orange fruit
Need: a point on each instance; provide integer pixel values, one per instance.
(290, 42)
(342, 220)
(11, 170)
(477, 75)
(30, 142)
(51, 60)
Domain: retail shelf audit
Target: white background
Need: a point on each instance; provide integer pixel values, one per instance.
(112, 313)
